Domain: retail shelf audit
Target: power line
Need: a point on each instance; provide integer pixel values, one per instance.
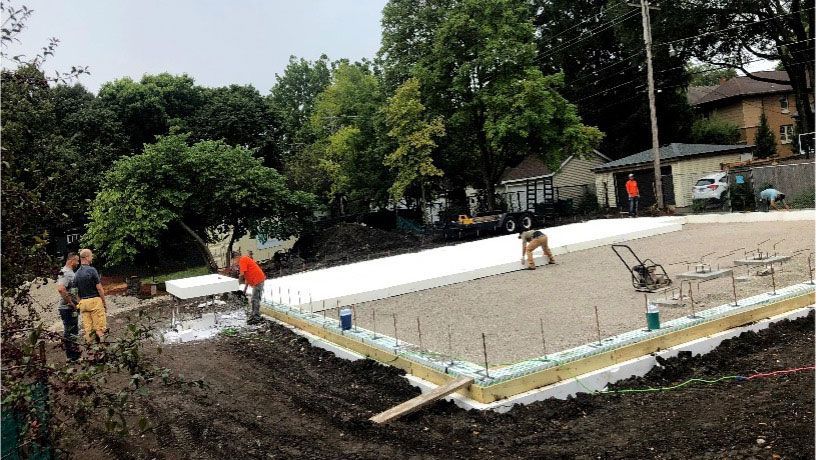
(601, 13)
(596, 31)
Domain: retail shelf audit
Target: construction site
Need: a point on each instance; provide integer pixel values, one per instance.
(697, 342)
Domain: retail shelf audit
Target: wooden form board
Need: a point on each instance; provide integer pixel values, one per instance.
(421, 401)
(512, 387)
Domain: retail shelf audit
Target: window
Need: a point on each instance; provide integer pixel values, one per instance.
(785, 103)
(703, 182)
(785, 133)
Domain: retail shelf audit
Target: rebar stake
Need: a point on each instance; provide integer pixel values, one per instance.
(735, 296)
(451, 353)
(289, 298)
(420, 337)
(485, 354)
(772, 276)
(809, 265)
(542, 334)
(354, 319)
(311, 308)
(598, 329)
(374, 334)
(395, 325)
(692, 302)
(646, 303)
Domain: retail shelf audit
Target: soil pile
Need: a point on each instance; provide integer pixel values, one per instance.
(272, 395)
(353, 242)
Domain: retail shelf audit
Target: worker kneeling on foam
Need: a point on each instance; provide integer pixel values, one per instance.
(532, 240)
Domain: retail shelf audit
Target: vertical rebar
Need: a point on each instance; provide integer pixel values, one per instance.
(451, 354)
(735, 295)
(299, 298)
(374, 334)
(324, 310)
(280, 300)
(420, 337)
(542, 335)
(772, 276)
(598, 329)
(809, 265)
(311, 309)
(692, 302)
(646, 303)
(485, 354)
(289, 298)
(395, 325)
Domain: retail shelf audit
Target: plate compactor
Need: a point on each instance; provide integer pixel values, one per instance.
(646, 275)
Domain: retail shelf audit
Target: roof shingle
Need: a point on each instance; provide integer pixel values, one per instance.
(669, 152)
(745, 86)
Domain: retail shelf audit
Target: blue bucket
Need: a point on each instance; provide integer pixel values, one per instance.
(346, 319)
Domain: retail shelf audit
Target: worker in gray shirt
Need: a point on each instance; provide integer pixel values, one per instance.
(68, 306)
(532, 240)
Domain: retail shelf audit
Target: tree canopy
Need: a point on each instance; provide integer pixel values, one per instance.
(200, 189)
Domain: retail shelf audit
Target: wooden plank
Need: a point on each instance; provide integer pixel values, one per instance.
(421, 401)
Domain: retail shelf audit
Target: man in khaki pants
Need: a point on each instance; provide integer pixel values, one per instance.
(532, 240)
(92, 298)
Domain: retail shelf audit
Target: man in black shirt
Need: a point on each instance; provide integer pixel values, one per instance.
(92, 304)
(532, 240)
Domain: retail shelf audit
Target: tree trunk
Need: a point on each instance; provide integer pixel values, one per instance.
(423, 219)
(229, 255)
(203, 249)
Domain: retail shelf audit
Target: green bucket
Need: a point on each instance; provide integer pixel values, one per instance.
(652, 316)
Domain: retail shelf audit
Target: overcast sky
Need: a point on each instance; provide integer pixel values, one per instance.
(215, 42)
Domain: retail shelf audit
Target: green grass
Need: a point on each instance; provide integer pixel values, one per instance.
(161, 278)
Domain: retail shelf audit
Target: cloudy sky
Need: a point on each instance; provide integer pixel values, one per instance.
(215, 42)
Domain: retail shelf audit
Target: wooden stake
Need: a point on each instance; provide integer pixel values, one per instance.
(598, 329)
(485, 354)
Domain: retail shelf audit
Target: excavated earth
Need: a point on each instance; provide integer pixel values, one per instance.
(272, 395)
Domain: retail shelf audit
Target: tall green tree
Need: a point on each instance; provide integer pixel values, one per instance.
(707, 75)
(291, 102)
(765, 139)
(237, 114)
(202, 191)
(350, 129)
(735, 33)
(476, 63)
(714, 131)
(415, 135)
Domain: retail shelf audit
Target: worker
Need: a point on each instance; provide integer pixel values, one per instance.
(92, 306)
(633, 195)
(772, 196)
(68, 306)
(252, 276)
(532, 240)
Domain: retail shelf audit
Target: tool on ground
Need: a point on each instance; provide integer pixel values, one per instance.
(646, 275)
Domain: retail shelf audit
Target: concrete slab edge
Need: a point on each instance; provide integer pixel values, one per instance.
(749, 217)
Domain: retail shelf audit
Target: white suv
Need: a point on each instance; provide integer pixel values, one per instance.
(710, 187)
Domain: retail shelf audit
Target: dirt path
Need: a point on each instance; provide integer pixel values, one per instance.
(272, 395)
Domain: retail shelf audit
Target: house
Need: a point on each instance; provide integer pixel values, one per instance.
(742, 100)
(681, 165)
(570, 180)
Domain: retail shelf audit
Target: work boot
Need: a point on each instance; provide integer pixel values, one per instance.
(552, 262)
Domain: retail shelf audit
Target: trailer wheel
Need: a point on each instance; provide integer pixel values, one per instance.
(526, 222)
(509, 225)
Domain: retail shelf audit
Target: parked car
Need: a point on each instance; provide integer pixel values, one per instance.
(711, 187)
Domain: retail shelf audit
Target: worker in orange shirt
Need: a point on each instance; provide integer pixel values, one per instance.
(253, 276)
(633, 195)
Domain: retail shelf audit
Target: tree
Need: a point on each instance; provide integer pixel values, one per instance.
(706, 75)
(714, 131)
(349, 128)
(765, 139)
(203, 190)
(152, 106)
(598, 46)
(734, 33)
(236, 114)
(406, 118)
(475, 60)
(291, 103)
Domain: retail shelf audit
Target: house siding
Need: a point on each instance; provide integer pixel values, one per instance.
(687, 172)
(575, 174)
(605, 182)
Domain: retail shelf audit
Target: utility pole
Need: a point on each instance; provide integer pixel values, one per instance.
(654, 126)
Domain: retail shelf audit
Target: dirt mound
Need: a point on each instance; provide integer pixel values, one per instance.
(351, 242)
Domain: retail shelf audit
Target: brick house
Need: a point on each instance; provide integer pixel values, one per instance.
(741, 100)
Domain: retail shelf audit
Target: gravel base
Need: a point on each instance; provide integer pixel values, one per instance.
(508, 308)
